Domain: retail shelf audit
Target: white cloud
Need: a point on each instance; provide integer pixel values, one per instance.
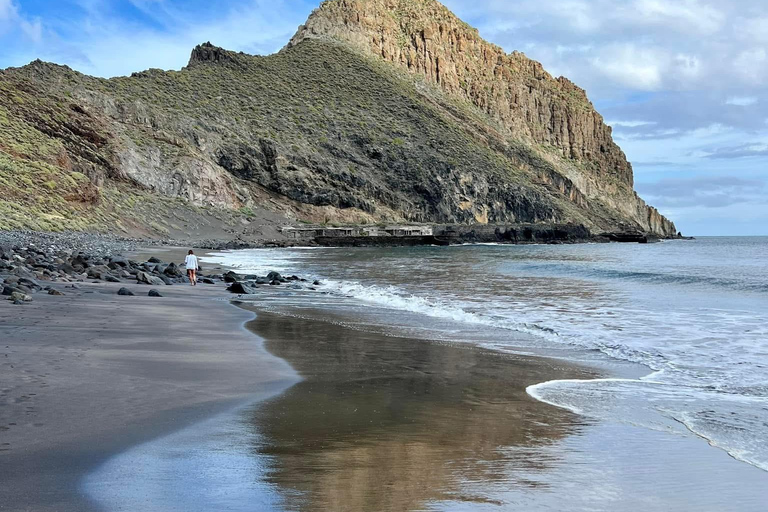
(11, 19)
(751, 65)
(741, 101)
(630, 124)
(681, 14)
(630, 65)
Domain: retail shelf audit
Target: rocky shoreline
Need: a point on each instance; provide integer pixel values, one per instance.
(32, 263)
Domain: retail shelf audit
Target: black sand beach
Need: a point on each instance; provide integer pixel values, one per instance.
(170, 404)
(87, 375)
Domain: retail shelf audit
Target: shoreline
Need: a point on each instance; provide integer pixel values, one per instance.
(299, 407)
(89, 375)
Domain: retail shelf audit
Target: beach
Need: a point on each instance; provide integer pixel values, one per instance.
(301, 399)
(91, 373)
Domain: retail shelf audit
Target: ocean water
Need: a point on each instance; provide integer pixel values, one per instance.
(679, 328)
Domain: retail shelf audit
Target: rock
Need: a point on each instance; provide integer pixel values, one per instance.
(316, 283)
(117, 262)
(207, 280)
(10, 290)
(275, 282)
(30, 284)
(145, 278)
(125, 291)
(232, 277)
(54, 292)
(154, 293)
(242, 288)
(111, 279)
(274, 276)
(165, 279)
(18, 296)
(173, 270)
(154, 260)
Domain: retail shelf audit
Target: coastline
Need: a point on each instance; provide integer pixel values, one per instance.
(378, 422)
(89, 375)
(390, 423)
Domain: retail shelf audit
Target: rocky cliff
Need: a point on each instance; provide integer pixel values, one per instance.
(523, 100)
(377, 110)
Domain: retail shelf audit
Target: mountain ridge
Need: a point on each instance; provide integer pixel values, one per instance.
(324, 130)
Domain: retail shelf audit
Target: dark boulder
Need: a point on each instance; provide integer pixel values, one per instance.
(154, 293)
(54, 292)
(30, 284)
(10, 290)
(111, 279)
(232, 277)
(125, 291)
(173, 270)
(242, 288)
(154, 260)
(145, 278)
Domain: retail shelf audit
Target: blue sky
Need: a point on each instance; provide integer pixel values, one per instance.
(682, 82)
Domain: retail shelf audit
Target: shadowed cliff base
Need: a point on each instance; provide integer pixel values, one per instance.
(378, 110)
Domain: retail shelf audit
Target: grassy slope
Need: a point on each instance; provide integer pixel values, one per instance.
(353, 133)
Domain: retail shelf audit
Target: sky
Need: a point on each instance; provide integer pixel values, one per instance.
(682, 82)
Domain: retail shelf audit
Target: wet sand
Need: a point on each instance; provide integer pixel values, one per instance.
(85, 376)
(385, 423)
(135, 403)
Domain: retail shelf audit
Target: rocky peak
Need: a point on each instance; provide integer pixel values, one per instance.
(425, 38)
(208, 53)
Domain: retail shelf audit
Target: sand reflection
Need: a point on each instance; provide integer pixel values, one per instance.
(384, 423)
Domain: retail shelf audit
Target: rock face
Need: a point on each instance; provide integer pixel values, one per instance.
(376, 111)
(527, 103)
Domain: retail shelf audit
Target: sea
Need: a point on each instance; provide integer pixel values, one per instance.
(677, 329)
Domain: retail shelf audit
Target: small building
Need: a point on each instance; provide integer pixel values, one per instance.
(409, 230)
(311, 232)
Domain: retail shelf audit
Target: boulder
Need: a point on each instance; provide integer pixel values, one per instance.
(154, 293)
(231, 277)
(153, 259)
(30, 284)
(10, 290)
(207, 280)
(125, 291)
(145, 278)
(18, 296)
(54, 292)
(111, 279)
(173, 270)
(247, 288)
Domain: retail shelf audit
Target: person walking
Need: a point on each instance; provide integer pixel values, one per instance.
(191, 263)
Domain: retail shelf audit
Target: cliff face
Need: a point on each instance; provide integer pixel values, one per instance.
(378, 110)
(426, 39)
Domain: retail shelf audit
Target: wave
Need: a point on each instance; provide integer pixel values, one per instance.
(727, 422)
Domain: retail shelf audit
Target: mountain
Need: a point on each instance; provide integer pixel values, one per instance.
(376, 110)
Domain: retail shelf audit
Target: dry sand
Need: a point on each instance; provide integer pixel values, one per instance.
(88, 374)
